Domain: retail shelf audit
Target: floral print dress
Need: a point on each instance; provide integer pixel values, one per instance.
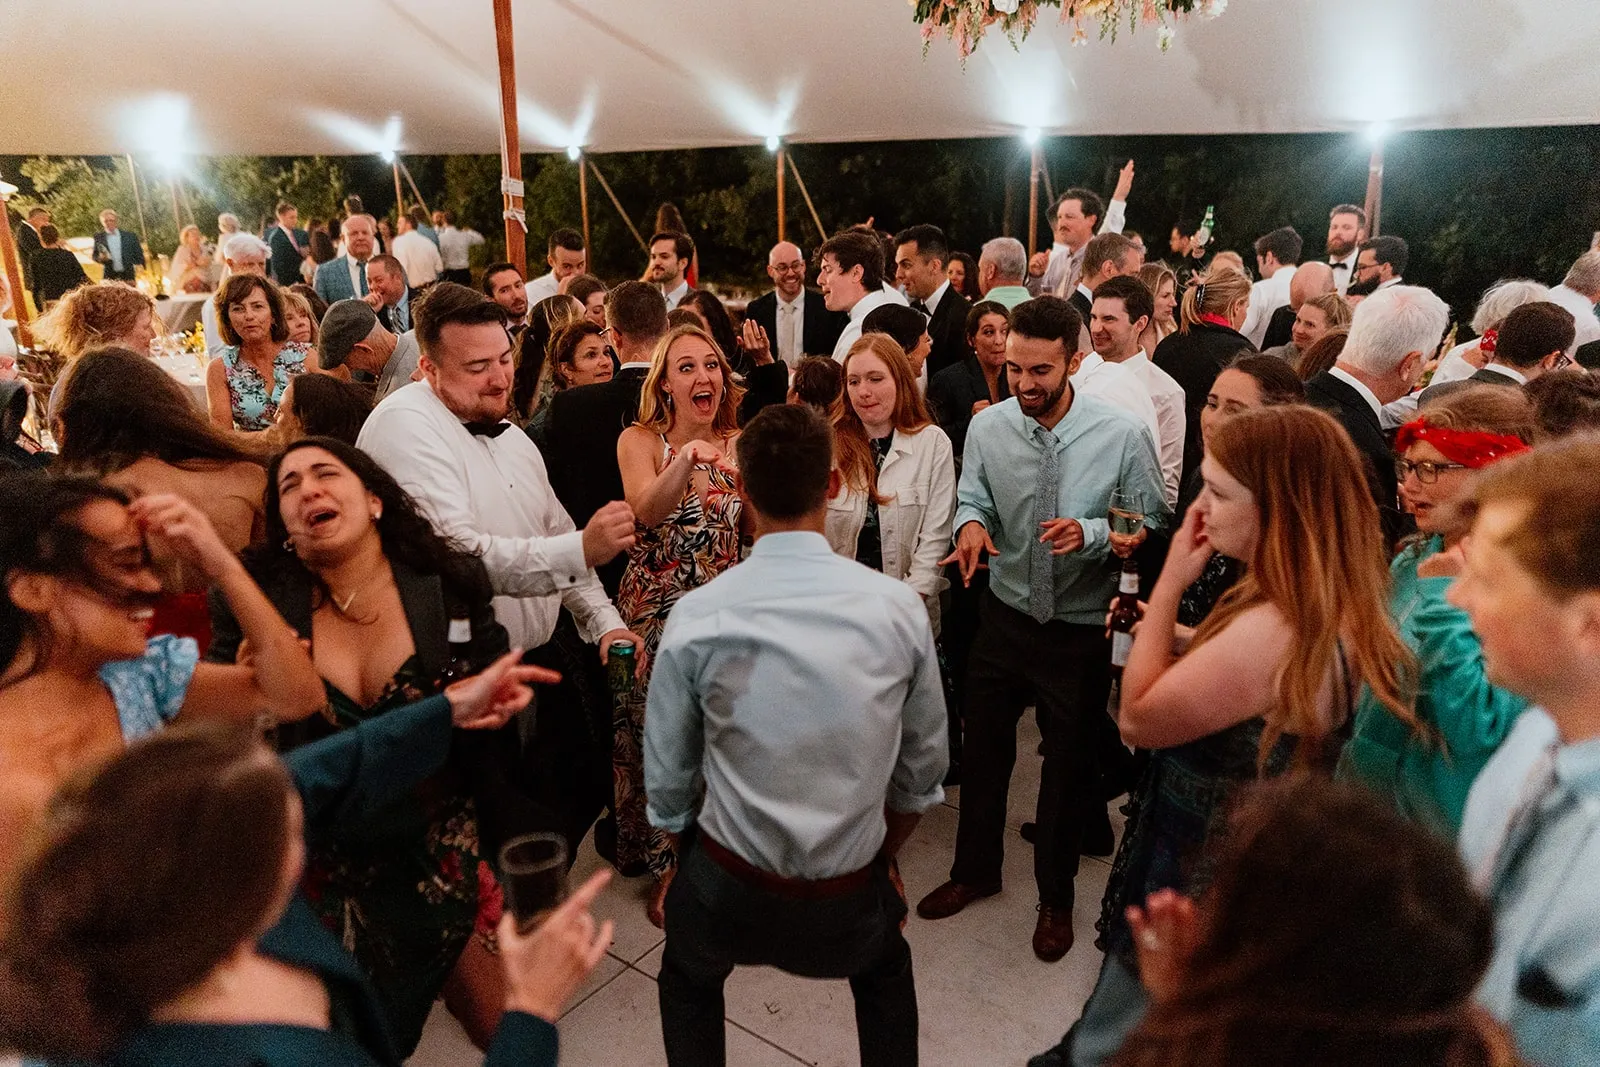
(406, 891)
(687, 549)
(254, 403)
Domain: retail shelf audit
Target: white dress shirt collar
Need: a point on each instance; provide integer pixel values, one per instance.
(1509, 372)
(938, 294)
(1359, 386)
(676, 294)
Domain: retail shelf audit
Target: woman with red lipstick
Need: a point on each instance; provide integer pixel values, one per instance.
(79, 673)
(677, 472)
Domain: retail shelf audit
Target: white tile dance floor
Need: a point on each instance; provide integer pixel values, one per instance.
(984, 1000)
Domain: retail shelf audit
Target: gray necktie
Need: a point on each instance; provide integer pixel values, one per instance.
(1041, 564)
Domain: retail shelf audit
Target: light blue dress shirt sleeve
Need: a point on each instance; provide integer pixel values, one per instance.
(917, 782)
(674, 735)
(974, 499)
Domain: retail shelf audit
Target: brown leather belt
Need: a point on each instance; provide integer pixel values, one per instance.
(777, 885)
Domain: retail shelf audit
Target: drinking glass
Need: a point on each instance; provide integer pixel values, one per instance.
(1127, 512)
(533, 876)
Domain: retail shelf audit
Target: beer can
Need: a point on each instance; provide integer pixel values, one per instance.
(619, 667)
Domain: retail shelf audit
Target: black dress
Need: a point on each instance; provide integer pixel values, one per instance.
(1194, 359)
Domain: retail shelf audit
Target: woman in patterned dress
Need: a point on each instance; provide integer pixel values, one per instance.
(245, 384)
(677, 471)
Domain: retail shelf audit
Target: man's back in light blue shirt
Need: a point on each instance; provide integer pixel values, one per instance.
(805, 689)
(1100, 448)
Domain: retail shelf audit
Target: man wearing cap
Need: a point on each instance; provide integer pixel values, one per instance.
(353, 337)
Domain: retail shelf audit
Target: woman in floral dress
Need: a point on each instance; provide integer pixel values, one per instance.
(245, 383)
(677, 471)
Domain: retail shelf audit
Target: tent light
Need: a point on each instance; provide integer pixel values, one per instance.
(1377, 132)
(1031, 136)
(773, 142)
(574, 152)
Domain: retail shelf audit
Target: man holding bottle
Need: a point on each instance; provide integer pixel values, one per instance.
(1036, 488)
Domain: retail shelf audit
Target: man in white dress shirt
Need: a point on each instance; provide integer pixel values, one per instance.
(1347, 228)
(418, 256)
(455, 247)
(445, 439)
(1076, 216)
(1123, 307)
(1277, 256)
(567, 259)
(670, 256)
(1579, 292)
(850, 272)
(1382, 260)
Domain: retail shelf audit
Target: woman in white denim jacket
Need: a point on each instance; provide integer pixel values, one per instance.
(898, 499)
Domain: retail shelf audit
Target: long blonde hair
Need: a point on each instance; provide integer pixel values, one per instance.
(657, 415)
(1213, 293)
(851, 449)
(1321, 561)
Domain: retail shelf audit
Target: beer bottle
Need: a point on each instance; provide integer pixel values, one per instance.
(1124, 613)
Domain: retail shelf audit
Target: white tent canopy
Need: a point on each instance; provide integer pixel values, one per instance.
(314, 76)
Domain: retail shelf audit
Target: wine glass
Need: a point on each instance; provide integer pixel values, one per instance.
(1127, 512)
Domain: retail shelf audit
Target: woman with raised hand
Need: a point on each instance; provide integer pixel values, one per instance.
(80, 675)
(677, 465)
(1425, 768)
(156, 920)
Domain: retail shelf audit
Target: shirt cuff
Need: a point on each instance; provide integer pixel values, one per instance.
(524, 1039)
(567, 564)
(672, 824)
(964, 515)
(1096, 534)
(914, 803)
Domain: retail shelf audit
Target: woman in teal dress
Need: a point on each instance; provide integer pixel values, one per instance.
(353, 565)
(245, 384)
(1463, 717)
(184, 941)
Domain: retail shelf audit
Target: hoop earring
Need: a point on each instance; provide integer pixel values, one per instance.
(288, 544)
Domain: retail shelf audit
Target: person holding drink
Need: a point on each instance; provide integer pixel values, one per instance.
(678, 475)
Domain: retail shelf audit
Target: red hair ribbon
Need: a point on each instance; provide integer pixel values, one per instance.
(1471, 448)
(1490, 338)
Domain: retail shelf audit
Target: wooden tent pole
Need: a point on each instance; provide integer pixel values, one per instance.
(583, 200)
(637, 236)
(1375, 189)
(801, 182)
(399, 201)
(8, 252)
(414, 190)
(1033, 201)
(138, 202)
(781, 212)
(510, 141)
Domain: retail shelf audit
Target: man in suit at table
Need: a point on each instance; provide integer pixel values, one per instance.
(345, 278)
(796, 321)
(117, 250)
(1394, 333)
(28, 242)
(290, 245)
(387, 293)
(585, 422)
(920, 255)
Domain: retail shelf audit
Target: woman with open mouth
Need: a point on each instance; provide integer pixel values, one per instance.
(390, 606)
(80, 674)
(678, 474)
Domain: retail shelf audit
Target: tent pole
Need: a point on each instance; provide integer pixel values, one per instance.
(637, 236)
(399, 201)
(781, 153)
(8, 251)
(510, 142)
(1374, 189)
(138, 201)
(1033, 201)
(583, 199)
(801, 182)
(414, 190)
(177, 216)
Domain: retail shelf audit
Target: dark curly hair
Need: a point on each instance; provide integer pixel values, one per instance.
(407, 535)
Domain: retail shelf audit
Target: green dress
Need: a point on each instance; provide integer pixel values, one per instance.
(406, 890)
(1427, 778)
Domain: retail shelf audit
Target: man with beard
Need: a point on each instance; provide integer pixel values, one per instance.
(1035, 492)
(444, 440)
(502, 283)
(1347, 228)
(670, 256)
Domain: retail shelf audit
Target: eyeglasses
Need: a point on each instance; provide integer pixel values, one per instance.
(1427, 472)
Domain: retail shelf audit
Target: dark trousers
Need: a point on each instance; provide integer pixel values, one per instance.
(1064, 670)
(460, 277)
(566, 740)
(716, 922)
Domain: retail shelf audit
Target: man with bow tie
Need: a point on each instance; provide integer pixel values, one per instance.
(444, 440)
(1347, 228)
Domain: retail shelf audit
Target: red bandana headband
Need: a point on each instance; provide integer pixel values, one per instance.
(1471, 448)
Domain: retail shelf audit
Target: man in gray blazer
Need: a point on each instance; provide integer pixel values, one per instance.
(345, 278)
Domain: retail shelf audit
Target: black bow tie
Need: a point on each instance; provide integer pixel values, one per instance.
(487, 429)
(918, 305)
(1340, 266)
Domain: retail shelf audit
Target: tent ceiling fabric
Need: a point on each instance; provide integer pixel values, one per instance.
(299, 77)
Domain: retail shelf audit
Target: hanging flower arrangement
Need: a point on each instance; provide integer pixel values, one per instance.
(966, 21)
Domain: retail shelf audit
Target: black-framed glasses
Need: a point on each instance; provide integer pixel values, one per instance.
(1427, 471)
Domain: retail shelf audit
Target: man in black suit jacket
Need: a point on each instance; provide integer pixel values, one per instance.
(819, 328)
(117, 249)
(1394, 333)
(28, 242)
(290, 245)
(920, 255)
(1533, 341)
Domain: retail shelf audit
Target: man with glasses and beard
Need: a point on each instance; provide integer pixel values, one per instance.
(445, 440)
(795, 319)
(1035, 492)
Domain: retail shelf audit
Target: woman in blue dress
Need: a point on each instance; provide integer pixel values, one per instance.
(245, 383)
(183, 941)
(80, 675)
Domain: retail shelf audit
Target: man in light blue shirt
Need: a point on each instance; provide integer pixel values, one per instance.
(1035, 494)
(802, 691)
(1531, 832)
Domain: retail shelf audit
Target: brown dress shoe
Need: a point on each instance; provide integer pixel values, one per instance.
(1052, 937)
(951, 898)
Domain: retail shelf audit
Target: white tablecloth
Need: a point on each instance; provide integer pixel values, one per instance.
(190, 374)
(181, 312)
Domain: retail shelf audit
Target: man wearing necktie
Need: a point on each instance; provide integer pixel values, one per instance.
(1035, 493)
(117, 251)
(388, 295)
(1531, 832)
(345, 277)
(795, 319)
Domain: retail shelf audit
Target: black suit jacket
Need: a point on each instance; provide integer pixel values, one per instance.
(951, 394)
(1280, 328)
(1083, 304)
(56, 272)
(132, 255)
(948, 329)
(27, 244)
(818, 334)
(489, 761)
(1340, 399)
(1489, 376)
